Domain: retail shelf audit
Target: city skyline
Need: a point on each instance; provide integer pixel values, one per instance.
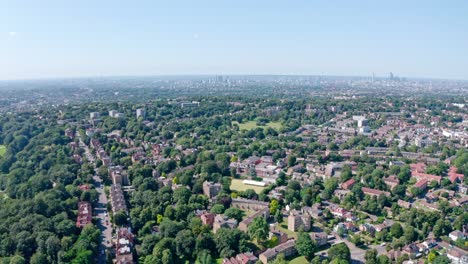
(151, 38)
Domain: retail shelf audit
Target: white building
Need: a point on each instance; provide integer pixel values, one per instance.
(112, 113)
(141, 113)
(94, 115)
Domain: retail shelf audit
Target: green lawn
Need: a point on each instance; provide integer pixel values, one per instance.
(2, 150)
(284, 228)
(238, 185)
(299, 260)
(253, 124)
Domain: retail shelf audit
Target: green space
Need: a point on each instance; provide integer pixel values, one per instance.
(299, 260)
(284, 228)
(253, 124)
(238, 185)
(2, 150)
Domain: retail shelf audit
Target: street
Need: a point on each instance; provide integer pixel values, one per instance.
(100, 210)
(103, 224)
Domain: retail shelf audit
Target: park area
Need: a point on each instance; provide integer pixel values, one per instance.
(240, 186)
(253, 124)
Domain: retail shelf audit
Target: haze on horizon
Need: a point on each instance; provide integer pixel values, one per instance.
(57, 39)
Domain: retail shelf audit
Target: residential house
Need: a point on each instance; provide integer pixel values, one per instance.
(287, 248)
(281, 236)
(320, 238)
(118, 202)
(211, 189)
(455, 235)
(457, 256)
(298, 220)
(382, 226)
(85, 214)
(412, 250)
(248, 204)
(348, 185)
(391, 181)
(454, 176)
(207, 218)
(350, 226)
(338, 211)
(244, 224)
(314, 211)
(421, 184)
(424, 176)
(124, 245)
(222, 221)
(366, 227)
(404, 204)
(118, 175)
(374, 192)
(243, 258)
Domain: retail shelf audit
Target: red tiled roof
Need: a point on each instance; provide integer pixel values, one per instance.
(374, 191)
(428, 177)
(418, 167)
(85, 214)
(421, 183)
(347, 184)
(454, 176)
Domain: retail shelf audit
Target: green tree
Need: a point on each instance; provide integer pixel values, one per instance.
(291, 160)
(258, 229)
(396, 230)
(230, 241)
(234, 213)
(39, 258)
(339, 251)
(441, 259)
(371, 256)
(410, 234)
(383, 259)
(279, 260)
(83, 257)
(17, 260)
(305, 246)
(273, 206)
(204, 257)
(185, 244)
(431, 256)
(120, 218)
(217, 209)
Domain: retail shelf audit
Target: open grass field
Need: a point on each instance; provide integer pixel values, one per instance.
(238, 185)
(2, 150)
(253, 124)
(298, 260)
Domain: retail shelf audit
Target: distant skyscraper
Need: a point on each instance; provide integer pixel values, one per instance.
(373, 77)
(141, 113)
(390, 76)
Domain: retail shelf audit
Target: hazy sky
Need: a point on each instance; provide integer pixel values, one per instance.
(42, 39)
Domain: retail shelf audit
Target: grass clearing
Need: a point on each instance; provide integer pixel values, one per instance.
(283, 227)
(299, 260)
(2, 150)
(253, 124)
(238, 185)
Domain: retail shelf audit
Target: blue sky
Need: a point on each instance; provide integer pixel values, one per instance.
(49, 39)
